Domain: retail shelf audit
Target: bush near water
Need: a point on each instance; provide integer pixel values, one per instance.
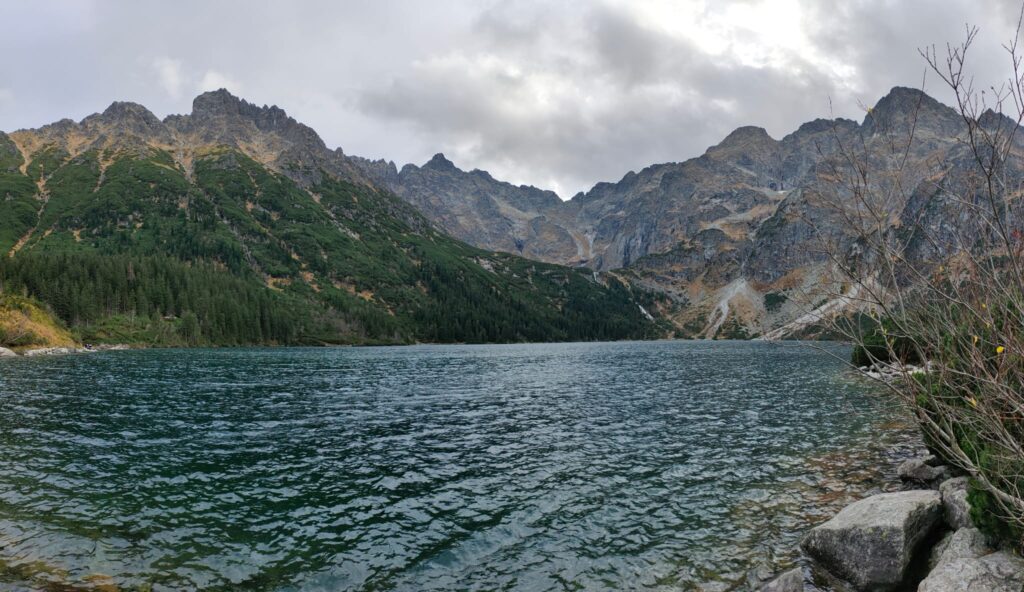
(881, 345)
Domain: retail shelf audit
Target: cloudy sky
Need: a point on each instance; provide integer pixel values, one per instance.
(555, 94)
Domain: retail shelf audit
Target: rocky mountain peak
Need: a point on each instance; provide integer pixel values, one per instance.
(60, 126)
(219, 117)
(903, 99)
(821, 125)
(222, 104)
(128, 111)
(745, 145)
(439, 163)
(991, 120)
(901, 105)
(124, 119)
(217, 102)
(746, 135)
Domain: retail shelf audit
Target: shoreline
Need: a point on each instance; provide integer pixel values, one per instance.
(37, 350)
(918, 537)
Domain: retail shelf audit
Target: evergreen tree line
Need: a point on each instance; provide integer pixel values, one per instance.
(208, 305)
(471, 307)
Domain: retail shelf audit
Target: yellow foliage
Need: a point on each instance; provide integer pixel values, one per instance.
(24, 324)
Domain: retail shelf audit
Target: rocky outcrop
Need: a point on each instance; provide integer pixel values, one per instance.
(6, 353)
(954, 502)
(873, 542)
(921, 539)
(966, 543)
(474, 207)
(880, 543)
(922, 471)
(966, 562)
(995, 572)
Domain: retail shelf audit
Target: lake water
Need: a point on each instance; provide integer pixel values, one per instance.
(611, 466)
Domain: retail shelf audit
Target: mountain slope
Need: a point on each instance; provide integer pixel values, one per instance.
(247, 192)
(734, 236)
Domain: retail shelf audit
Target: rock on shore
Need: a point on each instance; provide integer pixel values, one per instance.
(966, 543)
(872, 543)
(924, 471)
(878, 544)
(994, 572)
(790, 581)
(60, 351)
(51, 351)
(954, 502)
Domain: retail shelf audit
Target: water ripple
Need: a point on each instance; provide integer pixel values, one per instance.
(657, 466)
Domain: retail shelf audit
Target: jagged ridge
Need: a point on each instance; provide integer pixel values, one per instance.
(251, 191)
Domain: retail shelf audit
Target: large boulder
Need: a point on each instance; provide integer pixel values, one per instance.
(6, 353)
(954, 503)
(872, 543)
(790, 581)
(996, 572)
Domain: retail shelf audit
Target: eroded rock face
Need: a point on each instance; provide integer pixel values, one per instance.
(6, 353)
(954, 503)
(873, 542)
(995, 572)
(476, 208)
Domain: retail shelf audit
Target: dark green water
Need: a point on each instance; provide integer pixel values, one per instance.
(617, 466)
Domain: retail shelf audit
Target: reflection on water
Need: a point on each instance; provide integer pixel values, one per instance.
(659, 466)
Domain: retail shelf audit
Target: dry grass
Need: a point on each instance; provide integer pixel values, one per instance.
(25, 324)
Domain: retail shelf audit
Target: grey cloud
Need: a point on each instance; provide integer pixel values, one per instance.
(882, 40)
(557, 94)
(654, 98)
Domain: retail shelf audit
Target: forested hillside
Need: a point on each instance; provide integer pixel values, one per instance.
(130, 238)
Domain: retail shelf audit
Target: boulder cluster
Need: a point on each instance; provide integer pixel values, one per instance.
(920, 539)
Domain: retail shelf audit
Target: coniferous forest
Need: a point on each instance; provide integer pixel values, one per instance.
(125, 245)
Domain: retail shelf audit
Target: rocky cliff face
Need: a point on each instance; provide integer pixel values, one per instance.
(476, 208)
(733, 234)
(732, 187)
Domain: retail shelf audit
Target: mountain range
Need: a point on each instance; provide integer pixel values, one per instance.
(722, 245)
(735, 236)
(236, 224)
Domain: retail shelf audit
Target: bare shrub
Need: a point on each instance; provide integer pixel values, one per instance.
(930, 257)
